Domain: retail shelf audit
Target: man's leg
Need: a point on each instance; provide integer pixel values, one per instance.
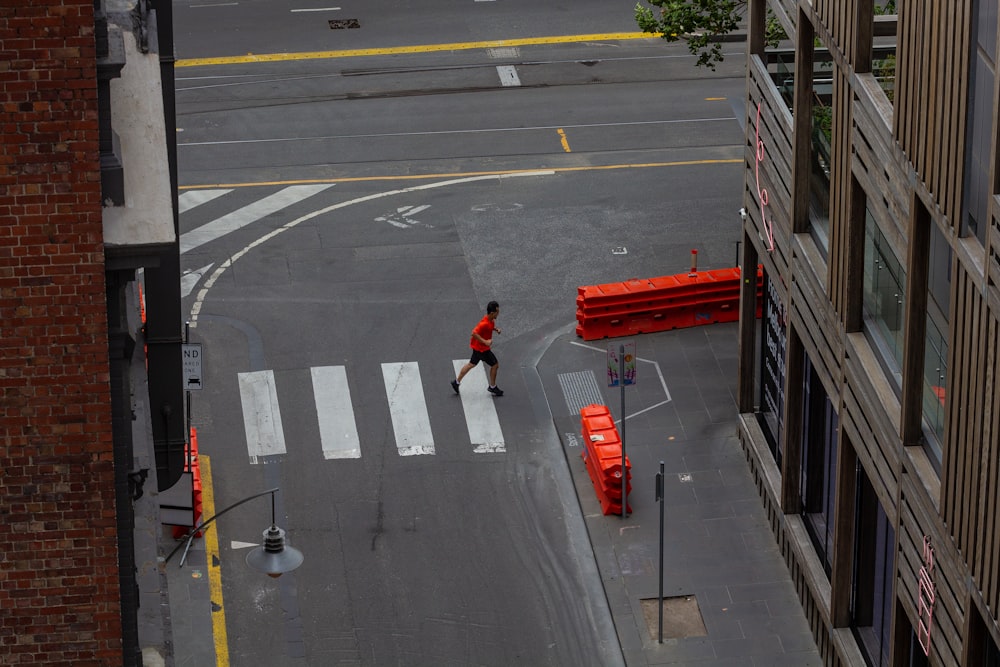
(465, 369)
(493, 374)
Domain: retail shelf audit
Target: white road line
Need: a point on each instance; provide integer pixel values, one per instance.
(480, 410)
(261, 416)
(317, 9)
(188, 200)
(235, 256)
(508, 76)
(249, 214)
(338, 432)
(408, 408)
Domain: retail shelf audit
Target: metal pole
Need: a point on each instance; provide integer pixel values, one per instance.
(204, 524)
(621, 383)
(187, 434)
(659, 496)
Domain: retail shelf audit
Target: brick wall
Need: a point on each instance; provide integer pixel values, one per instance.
(58, 558)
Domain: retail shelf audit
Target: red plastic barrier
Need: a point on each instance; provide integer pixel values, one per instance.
(191, 465)
(659, 304)
(602, 454)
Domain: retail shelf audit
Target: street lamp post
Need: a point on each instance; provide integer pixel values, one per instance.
(274, 558)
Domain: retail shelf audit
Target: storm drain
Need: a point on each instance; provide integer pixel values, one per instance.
(681, 617)
(503, 52)
(344, 24)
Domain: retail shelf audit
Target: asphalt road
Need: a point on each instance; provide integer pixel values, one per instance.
(346, 219)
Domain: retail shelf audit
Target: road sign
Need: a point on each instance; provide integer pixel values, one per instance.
(621, 364)
(191, 363)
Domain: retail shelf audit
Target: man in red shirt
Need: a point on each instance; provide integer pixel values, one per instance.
(481, 342)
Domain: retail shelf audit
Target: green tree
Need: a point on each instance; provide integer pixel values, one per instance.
(701, 23)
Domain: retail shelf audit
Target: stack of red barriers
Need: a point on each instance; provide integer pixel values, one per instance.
(602, 453)
(194, 467)
(659, 304)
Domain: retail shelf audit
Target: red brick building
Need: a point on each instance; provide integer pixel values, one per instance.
(67, 583)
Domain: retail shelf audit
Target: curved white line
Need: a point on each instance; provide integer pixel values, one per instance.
(203, 293)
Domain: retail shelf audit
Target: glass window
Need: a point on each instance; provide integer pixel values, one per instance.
(936, 344)
(819, 464)
(872, 593)
(979, 124)
(883, 303)
(884, 47)
(771, 397)
(935, 374)
(820, 156)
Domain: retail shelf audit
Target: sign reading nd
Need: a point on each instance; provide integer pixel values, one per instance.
(191, 364)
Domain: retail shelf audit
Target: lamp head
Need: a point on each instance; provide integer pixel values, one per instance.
(274, 558)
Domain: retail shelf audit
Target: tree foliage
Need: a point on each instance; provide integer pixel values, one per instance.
(700, 23)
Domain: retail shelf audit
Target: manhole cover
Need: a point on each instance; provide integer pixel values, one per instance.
(681, 617)
(343, 24)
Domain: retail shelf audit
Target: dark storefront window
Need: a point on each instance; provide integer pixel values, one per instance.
(819, 464)
(936, 344)
(871, 590)
(979, 121)
(884, 298)
(821, 154)
(771, 399)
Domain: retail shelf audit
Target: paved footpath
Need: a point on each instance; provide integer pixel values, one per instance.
(729, 598)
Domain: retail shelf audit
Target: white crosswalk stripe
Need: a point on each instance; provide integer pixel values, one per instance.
(480, 412)
(335, 417)
(192, 198)
(408, 409)
(248, 214)
(261, 415)
(338, 432)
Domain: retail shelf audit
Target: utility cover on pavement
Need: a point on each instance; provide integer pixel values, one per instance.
(681, 617)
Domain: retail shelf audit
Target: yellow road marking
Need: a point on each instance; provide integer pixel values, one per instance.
(214, 573)
(563, 140)
(419, 48)
(500, 172)
(714, 99)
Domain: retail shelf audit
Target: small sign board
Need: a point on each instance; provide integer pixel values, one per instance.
(616, 353)
(191, 364)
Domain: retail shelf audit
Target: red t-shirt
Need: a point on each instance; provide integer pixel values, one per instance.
(485, 329)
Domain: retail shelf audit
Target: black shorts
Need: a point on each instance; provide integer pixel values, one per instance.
(487, 356)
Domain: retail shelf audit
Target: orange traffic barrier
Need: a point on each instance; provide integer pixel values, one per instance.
(191, 465)
(660, 304)
(602, 454)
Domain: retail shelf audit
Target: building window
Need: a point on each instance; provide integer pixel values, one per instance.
(935, 374)
(936, 344)
(979, 122)
(982, 649)
(884, 291)
(821, 154)
(819, 464)
(884, 47)
(773, 344)
(872, 586)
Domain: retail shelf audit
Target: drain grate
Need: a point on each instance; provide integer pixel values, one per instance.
(344, 24)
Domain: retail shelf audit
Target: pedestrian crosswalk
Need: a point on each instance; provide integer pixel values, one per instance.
(335, 413)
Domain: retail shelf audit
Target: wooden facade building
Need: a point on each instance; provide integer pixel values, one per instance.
(868, 391)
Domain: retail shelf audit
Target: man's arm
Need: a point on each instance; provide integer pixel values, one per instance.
(488, 342)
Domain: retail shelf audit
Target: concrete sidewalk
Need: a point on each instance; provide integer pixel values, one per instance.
(729, 598)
